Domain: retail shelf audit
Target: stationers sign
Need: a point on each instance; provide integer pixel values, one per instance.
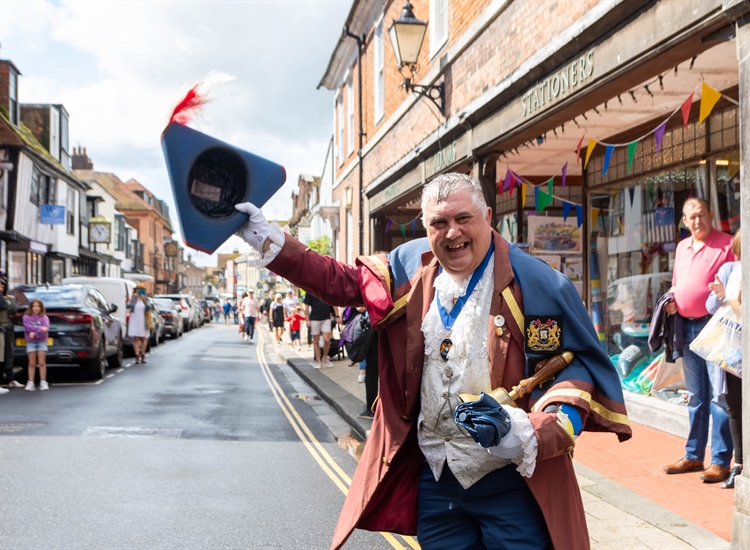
(570, 78)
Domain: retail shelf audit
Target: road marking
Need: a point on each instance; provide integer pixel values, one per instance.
(111, 375)
(313, 446)
(120, 370)
(79, 383)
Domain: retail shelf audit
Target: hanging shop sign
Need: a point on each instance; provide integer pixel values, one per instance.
(572, 77)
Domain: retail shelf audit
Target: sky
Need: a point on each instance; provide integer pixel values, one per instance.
(120, 67)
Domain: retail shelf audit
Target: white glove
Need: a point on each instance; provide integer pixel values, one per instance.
(520, 444)
(257, 229)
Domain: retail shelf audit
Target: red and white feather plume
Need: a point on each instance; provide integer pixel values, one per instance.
(196, 97)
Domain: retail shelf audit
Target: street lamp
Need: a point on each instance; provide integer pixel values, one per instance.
(407, 34)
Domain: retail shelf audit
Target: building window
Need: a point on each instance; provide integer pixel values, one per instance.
(13, 105)
(52, 191)
(350, 114)
(438, 25)
(349, 237)
(36, 177)
(340, 128)
(70, 211)
(379, 64)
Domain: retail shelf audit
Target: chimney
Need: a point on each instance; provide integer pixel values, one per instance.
(81, 161)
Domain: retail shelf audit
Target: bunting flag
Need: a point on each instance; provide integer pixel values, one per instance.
(523, 196)
(686, 109)
(506, 182)
(543, 199)
(578, 149)
(650, 188)
(709, 97)
(413, 227)
(589, 150)
(388, 224)
(631, 154)
(564, 173)
(567, 207)
(631, 190)
(594, 216)
(579, 214)
(403, 230)
(659, 135)
(607, 157)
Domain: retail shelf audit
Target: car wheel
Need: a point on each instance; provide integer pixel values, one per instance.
(96, 367)
(115, 361)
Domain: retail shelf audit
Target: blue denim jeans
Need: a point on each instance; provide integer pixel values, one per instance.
(702, 405)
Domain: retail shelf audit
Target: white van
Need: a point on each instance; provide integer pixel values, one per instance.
(116, 291)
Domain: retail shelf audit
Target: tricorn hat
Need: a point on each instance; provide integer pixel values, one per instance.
(209, 177)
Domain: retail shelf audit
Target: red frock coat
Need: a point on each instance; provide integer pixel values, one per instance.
(383, 494)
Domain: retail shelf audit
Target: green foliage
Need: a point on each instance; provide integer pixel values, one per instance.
(321, 245)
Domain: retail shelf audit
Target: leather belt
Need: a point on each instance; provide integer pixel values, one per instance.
(698, 319)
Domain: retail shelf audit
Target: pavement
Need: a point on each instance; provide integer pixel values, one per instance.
(630, 502)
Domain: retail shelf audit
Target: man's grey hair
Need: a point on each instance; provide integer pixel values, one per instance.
(445, 185)
(694, 200)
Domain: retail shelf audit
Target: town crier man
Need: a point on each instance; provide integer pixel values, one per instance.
(463, 312)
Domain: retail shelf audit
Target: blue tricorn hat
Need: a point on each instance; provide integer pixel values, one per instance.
(208, 178)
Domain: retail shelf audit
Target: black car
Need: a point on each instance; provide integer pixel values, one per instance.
(82, 330)
(170, 314)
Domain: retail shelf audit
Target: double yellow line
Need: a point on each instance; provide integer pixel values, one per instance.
(313, 446)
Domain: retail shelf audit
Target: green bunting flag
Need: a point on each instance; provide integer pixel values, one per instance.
(543, 199)
(632, 146)
(403, 230)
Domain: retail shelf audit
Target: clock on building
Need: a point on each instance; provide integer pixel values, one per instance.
(170, 249)
(100, 230)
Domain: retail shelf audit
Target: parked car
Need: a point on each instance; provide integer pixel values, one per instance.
(116, 291)
(156, 335)
(187, 312)
(170, 314)
(207, 311)
(82, 329)
(200, 314)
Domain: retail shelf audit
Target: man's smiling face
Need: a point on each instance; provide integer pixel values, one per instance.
(459, 232)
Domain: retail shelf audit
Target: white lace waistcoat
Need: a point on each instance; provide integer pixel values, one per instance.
(467, 370)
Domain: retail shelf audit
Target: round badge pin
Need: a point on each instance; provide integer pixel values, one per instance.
(499, 320)
(445, 347)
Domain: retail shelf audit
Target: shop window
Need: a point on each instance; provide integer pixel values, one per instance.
(727, 206)
(16, 268)
(57, 269)
(724, 130)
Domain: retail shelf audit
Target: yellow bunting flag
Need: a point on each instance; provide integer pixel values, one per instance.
(594, 216)
(709, 97)
(589, 150)
(523, 195)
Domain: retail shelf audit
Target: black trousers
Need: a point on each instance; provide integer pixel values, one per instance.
(734, 408)
(6, 367)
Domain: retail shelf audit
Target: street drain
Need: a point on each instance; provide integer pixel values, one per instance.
(10, 427)
(133, 433)
(304, 397)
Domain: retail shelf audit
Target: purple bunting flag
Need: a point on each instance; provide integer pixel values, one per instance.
(388, 224)
(659, 135)
(564, 173)
(414, 227)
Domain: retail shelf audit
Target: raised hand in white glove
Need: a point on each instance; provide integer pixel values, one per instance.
(519, 445)
(257, 229)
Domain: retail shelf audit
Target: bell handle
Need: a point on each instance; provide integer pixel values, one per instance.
(549, 367)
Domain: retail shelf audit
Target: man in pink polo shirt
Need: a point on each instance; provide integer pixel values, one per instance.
(697, 261)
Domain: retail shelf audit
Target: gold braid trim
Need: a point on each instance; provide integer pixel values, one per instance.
(383, 270)
(594, 406)
(401, 302)
(513, 306)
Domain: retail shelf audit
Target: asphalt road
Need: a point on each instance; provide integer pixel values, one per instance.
(199, 448)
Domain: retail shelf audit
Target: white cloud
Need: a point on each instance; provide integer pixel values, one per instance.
(119, 67)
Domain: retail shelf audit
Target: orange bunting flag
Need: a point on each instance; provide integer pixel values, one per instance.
(523, 195)
(594, 216)
(589, 150)
(709, 97)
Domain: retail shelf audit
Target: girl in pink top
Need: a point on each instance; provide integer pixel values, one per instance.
(36, 329)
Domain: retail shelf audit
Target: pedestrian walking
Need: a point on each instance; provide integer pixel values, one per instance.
(726, 287)
(7, 308)
(319, 314)
(138, 328)
(36, 332)
(481, 314)
(277, 317)
(295, 325)
(236, 312)
(227, 307)
(290, 303)
(250, 311)
(217, 312)
(697, 261)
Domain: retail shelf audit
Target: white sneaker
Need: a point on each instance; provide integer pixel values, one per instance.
(361, 378)
(327, 362)
(15, 384)
(29, 386)
(316, 365)
(43, 386)
(3, 390)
